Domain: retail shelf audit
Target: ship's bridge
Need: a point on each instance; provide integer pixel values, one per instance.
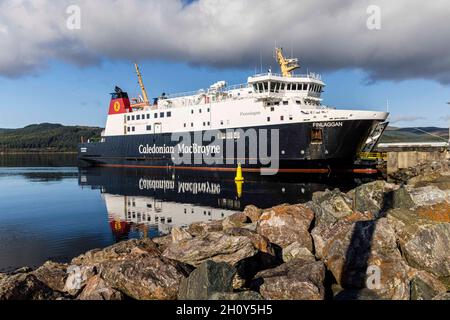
(271, 85)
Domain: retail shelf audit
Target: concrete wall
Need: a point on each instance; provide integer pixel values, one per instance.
(406, 159)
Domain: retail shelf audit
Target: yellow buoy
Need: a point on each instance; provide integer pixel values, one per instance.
(239, 188)
(239, 176)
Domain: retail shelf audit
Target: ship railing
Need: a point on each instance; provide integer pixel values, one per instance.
(311, 75)
(208, 91)
(236, 86)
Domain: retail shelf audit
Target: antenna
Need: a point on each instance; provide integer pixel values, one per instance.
(261, 60)
(387, 104)
(292, 48)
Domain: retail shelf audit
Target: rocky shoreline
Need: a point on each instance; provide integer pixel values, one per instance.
(379, 241)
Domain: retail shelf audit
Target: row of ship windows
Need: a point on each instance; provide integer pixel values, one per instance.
(281, 118)
(204, 124)
(148, 116)
(167, 114)
(144, 217)
(285, 103)
(149, 127)
(278, 86)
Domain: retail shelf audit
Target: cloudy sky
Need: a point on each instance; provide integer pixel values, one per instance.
(50, 72)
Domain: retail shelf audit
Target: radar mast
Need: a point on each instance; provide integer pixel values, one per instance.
(287, 66)
(141, 84)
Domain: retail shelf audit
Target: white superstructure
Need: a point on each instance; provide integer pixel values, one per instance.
(266, 99)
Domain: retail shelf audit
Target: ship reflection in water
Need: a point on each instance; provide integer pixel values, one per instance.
(149, 203)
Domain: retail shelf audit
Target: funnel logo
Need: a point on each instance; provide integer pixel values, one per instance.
(117, 106)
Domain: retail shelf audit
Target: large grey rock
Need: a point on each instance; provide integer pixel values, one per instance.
(77, 278)
(119, 251)
(208, 278)
(239, 296)
(259, 242)
(286, 224)
(145, 277)
(410, 198)
(296, 250)
(253, 213)
(430, 168)
(137, 269)
(424, 242)
(424, 286)
(438, 179)
(371, 196)
(25, 286)
(179, 234)
(163, 242)
(354, 250)
(296, 280)
(330, 206)
(358, 294)
(214, 246)
(53, 274)
(97, 289)
(202, 228)
(235, 220)
(443, 296)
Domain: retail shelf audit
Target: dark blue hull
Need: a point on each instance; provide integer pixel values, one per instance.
(300, 146)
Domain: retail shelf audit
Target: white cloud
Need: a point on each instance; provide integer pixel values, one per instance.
(326, 35)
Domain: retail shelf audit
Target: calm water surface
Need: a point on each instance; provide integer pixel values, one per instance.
(51, 210)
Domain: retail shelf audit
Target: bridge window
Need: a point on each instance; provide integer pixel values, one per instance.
(305, 86)
(272, 86)
(266, 86)
(285, 103)
(289, 86)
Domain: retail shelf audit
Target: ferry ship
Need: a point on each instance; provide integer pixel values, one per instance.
(274, 121)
